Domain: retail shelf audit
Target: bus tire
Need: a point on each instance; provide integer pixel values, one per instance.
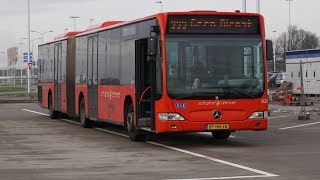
(221, 134)
(134, 133)
(53, 114)
(85, 122)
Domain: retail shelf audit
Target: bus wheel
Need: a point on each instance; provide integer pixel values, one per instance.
(134, 133)
(220, 134)
(53, 114)
(85, 122)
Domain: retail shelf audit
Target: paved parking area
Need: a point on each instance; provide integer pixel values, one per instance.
(33, 146)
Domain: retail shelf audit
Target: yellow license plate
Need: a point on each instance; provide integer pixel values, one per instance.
(217, 126)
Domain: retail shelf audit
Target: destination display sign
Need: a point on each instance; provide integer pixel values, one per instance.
(213, 24)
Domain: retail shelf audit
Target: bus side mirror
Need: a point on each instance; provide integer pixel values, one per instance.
(152, 47)
(269, 50)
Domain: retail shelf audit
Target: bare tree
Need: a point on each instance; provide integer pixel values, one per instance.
(296, 39)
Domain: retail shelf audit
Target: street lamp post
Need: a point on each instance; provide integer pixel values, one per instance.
(258, 6)
(274, 51)
(74, 21)
(28, 46)
(244, 5)
(289, 27)
(42, 33)
(160, 2)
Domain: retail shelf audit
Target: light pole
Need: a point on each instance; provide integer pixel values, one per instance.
(258, 6)
(3, 53)
(91, 20)
(42, 33)
(244, 5)
(74, 21)
(274, 51)
(29, 41)
(289, 27)
(160, 2)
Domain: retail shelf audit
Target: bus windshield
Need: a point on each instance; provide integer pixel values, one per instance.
(206, 67)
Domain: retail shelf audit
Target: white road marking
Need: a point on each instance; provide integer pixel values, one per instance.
(74, 122)
(231, 177)
(302, 125)
(35, 112)
(112, 132)
(213, 159)
(279, 117)
(263, 173)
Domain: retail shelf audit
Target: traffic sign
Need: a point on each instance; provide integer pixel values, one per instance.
(25, 57)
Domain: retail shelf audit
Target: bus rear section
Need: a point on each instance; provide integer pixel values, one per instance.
(56, 75)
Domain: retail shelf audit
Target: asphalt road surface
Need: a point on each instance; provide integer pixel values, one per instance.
(33, 146)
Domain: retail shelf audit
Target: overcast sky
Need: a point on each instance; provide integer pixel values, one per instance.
(54, 14)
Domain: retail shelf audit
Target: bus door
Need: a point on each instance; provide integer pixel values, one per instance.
(143, 84)
(92, 77)
(57, 75)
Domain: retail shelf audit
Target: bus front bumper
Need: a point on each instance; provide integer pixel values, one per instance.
(189, 126)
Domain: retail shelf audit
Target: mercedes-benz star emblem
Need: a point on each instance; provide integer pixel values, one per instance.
(217, 114)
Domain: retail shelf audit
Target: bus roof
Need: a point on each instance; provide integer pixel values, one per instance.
(66, 35)
(102, 25)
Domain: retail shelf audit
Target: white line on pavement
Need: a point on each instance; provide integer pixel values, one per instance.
(35, 112)
(302, 125)
(70, 121)
(278, 117)
(231, 177)
(212, 159)
(263, 173)
(112, 132)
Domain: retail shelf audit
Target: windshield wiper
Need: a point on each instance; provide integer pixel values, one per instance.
(240, 92)
(197, 94)
(194, 95)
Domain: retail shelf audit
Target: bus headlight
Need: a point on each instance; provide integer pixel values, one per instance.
(259, 115)
(170, 117)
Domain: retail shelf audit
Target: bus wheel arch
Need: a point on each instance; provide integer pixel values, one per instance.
(127, 102)
(130, 121)
(52, 113)
(85, 122)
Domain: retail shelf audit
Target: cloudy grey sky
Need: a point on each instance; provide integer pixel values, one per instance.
(54, 14)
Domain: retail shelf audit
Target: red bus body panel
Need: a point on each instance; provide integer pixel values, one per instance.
(111, 102)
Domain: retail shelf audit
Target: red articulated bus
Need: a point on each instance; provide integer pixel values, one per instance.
(199, 71)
